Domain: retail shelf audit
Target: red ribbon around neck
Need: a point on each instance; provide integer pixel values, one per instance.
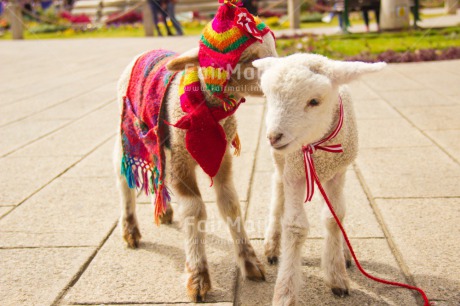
(308, 151)
(312, 177)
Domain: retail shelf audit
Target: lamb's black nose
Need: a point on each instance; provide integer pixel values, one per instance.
(274, 138)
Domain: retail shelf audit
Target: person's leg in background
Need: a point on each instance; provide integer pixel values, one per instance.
(172, 17)
(377, 16)
(365, 12)
(154, 9)
(341, 22)
(163, 7)
(339, 7)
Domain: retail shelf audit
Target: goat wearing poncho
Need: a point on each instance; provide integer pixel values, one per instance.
(199, 108)
(223, 41)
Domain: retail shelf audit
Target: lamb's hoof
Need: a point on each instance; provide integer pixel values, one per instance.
(167, 217)
(272, 260)
(272, 247)
(340, 292)
(198, 285)
(254, 270)
(348, 263)
(132, 237)
(131, 233)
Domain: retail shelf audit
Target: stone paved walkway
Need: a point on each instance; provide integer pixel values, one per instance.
(59, 238)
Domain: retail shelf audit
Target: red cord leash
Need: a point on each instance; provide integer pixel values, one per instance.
(312, 177)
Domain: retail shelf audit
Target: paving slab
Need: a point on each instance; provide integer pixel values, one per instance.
(390, 133)
(78, 137)
(22, 176)
(451, 66)
(98, 163)
(432, 117)
(66, 70)
(376, 108)
(445, 83)
(38, 276)
(390, 80)
(448, 140)
(61, 89)
(409, 172)
(5, 209)
(61, 78)
(412, 69)
(375, 257)
(67, 212)
(72, 55)
(82, 104)
(154, 273)
(362, 91)
(418, 98)
(15, 136)
(359, 222)
(428, 245)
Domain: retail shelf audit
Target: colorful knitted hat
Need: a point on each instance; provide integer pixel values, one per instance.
(224, 39)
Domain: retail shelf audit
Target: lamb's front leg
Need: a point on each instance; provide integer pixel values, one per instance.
(294, 232)
(193, 216)
(229, 207)
(273, 230)
(334, 260)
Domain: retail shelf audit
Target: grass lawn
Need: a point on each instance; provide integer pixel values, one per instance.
(341, 46)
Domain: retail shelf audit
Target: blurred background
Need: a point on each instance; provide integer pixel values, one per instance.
(368, 30)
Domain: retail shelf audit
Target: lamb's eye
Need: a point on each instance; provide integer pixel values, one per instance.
(313, 102)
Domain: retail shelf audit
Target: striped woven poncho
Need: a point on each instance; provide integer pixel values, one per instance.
(142, 130)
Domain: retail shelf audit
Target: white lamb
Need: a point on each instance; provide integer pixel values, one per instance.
(303, 93)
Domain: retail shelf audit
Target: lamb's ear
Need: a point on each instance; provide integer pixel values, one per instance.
(344, 72)
(187, 59)
(264, 63)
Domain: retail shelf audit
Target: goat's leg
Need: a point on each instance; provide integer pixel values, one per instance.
(129, 225)
(167, 217)
(294, 233)
(333, 260)
(273, 230)
(193, 216)
(229, 207)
